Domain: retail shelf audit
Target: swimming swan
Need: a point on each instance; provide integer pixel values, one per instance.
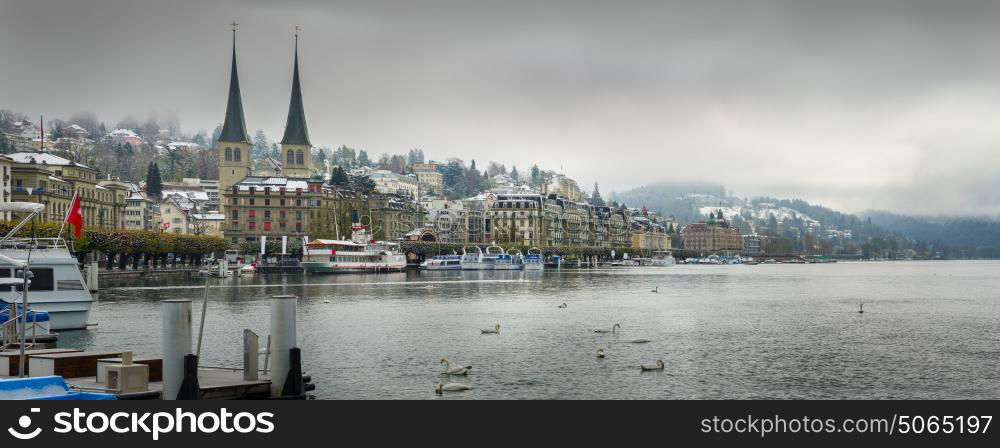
(440, 389)
(608, 331)
(600, 353)
(495, 330)
(656, 289)
(862, 309)
(647, 367)
(562, 306)
(457, 370)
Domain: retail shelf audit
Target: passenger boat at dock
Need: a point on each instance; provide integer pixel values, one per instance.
(57, 286)
(478, 261)
(443, 263)
(662, 258)
(510, 261)
(359, 254)
(534, 260)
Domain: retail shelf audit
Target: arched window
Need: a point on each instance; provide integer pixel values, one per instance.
(298, 159)
(229, 154)
(239, 155)
(291, 157)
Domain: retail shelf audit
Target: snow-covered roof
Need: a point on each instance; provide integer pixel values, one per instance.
(35, 157)
(209, 216)
(289, 183)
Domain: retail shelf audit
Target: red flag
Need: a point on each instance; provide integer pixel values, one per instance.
(75, 217)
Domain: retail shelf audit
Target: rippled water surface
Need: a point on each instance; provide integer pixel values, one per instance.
(930, 330)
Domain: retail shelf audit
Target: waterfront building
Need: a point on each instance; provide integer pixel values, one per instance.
(278, 206)
(52, 180)
(752, 244)
(519, 219)
(712, 236)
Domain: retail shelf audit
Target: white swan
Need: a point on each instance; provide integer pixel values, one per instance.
(640, 341)
(658, 366)
(562, 306)
(600, 353)
(457, 370)
(612, 330)
(440, 389)
(495, 330)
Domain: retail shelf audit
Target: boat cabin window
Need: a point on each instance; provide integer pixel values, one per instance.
(43, 280)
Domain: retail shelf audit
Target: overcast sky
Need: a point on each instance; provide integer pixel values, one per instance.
(852, 104)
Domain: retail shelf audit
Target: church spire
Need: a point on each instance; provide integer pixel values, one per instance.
(296, 132)
(234, 129)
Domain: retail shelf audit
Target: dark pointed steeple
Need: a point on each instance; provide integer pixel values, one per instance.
(296, 132)
(234, 129)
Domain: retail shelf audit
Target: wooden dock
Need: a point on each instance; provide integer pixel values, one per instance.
(214, 383)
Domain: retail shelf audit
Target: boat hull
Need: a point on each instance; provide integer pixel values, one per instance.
(334, 268)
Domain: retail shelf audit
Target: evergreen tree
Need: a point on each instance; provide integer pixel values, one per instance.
(363, 159)
(154, 185)
(596, 198)
(338, 177)
(536, 176)
(513, 174)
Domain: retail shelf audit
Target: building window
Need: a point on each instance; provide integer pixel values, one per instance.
(253, 225)
(252, 213)
(237, 155)
(267, 226)
(291, 157)
(229, 154)
(299, 158)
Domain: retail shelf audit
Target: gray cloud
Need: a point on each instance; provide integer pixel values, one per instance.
(853, 104)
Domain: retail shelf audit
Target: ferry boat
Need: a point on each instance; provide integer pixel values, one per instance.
(480, 261)
(359, 254)
(443, 263)
(534, 261)
(662, 258)
(510, 261)
(57, 286)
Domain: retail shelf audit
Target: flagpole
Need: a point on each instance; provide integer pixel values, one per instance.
(66, 218)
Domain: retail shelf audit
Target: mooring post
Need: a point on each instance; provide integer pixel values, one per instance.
(93, 263)
(176, 344)
(283, 311)
(251, 355)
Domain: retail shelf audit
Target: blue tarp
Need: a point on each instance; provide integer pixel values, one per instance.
(44, 388)
(35, 316)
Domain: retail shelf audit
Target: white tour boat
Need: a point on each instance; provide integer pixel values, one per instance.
(359, 254)
(443, 263)
(477, 261)
(662, 258)
(535, 260)
(57, 286)
(510, 261)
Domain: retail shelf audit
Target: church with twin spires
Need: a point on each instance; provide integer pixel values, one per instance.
(284, 203)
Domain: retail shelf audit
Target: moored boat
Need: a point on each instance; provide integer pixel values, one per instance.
(534, 260)
(359, 254)
(57, 286)
(443, 263)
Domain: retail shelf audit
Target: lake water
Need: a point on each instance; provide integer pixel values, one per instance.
(930, 330)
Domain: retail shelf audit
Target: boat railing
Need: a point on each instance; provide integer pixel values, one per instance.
(34, 244)
(9, 330)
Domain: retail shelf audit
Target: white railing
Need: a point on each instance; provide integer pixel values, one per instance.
(34, 244)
